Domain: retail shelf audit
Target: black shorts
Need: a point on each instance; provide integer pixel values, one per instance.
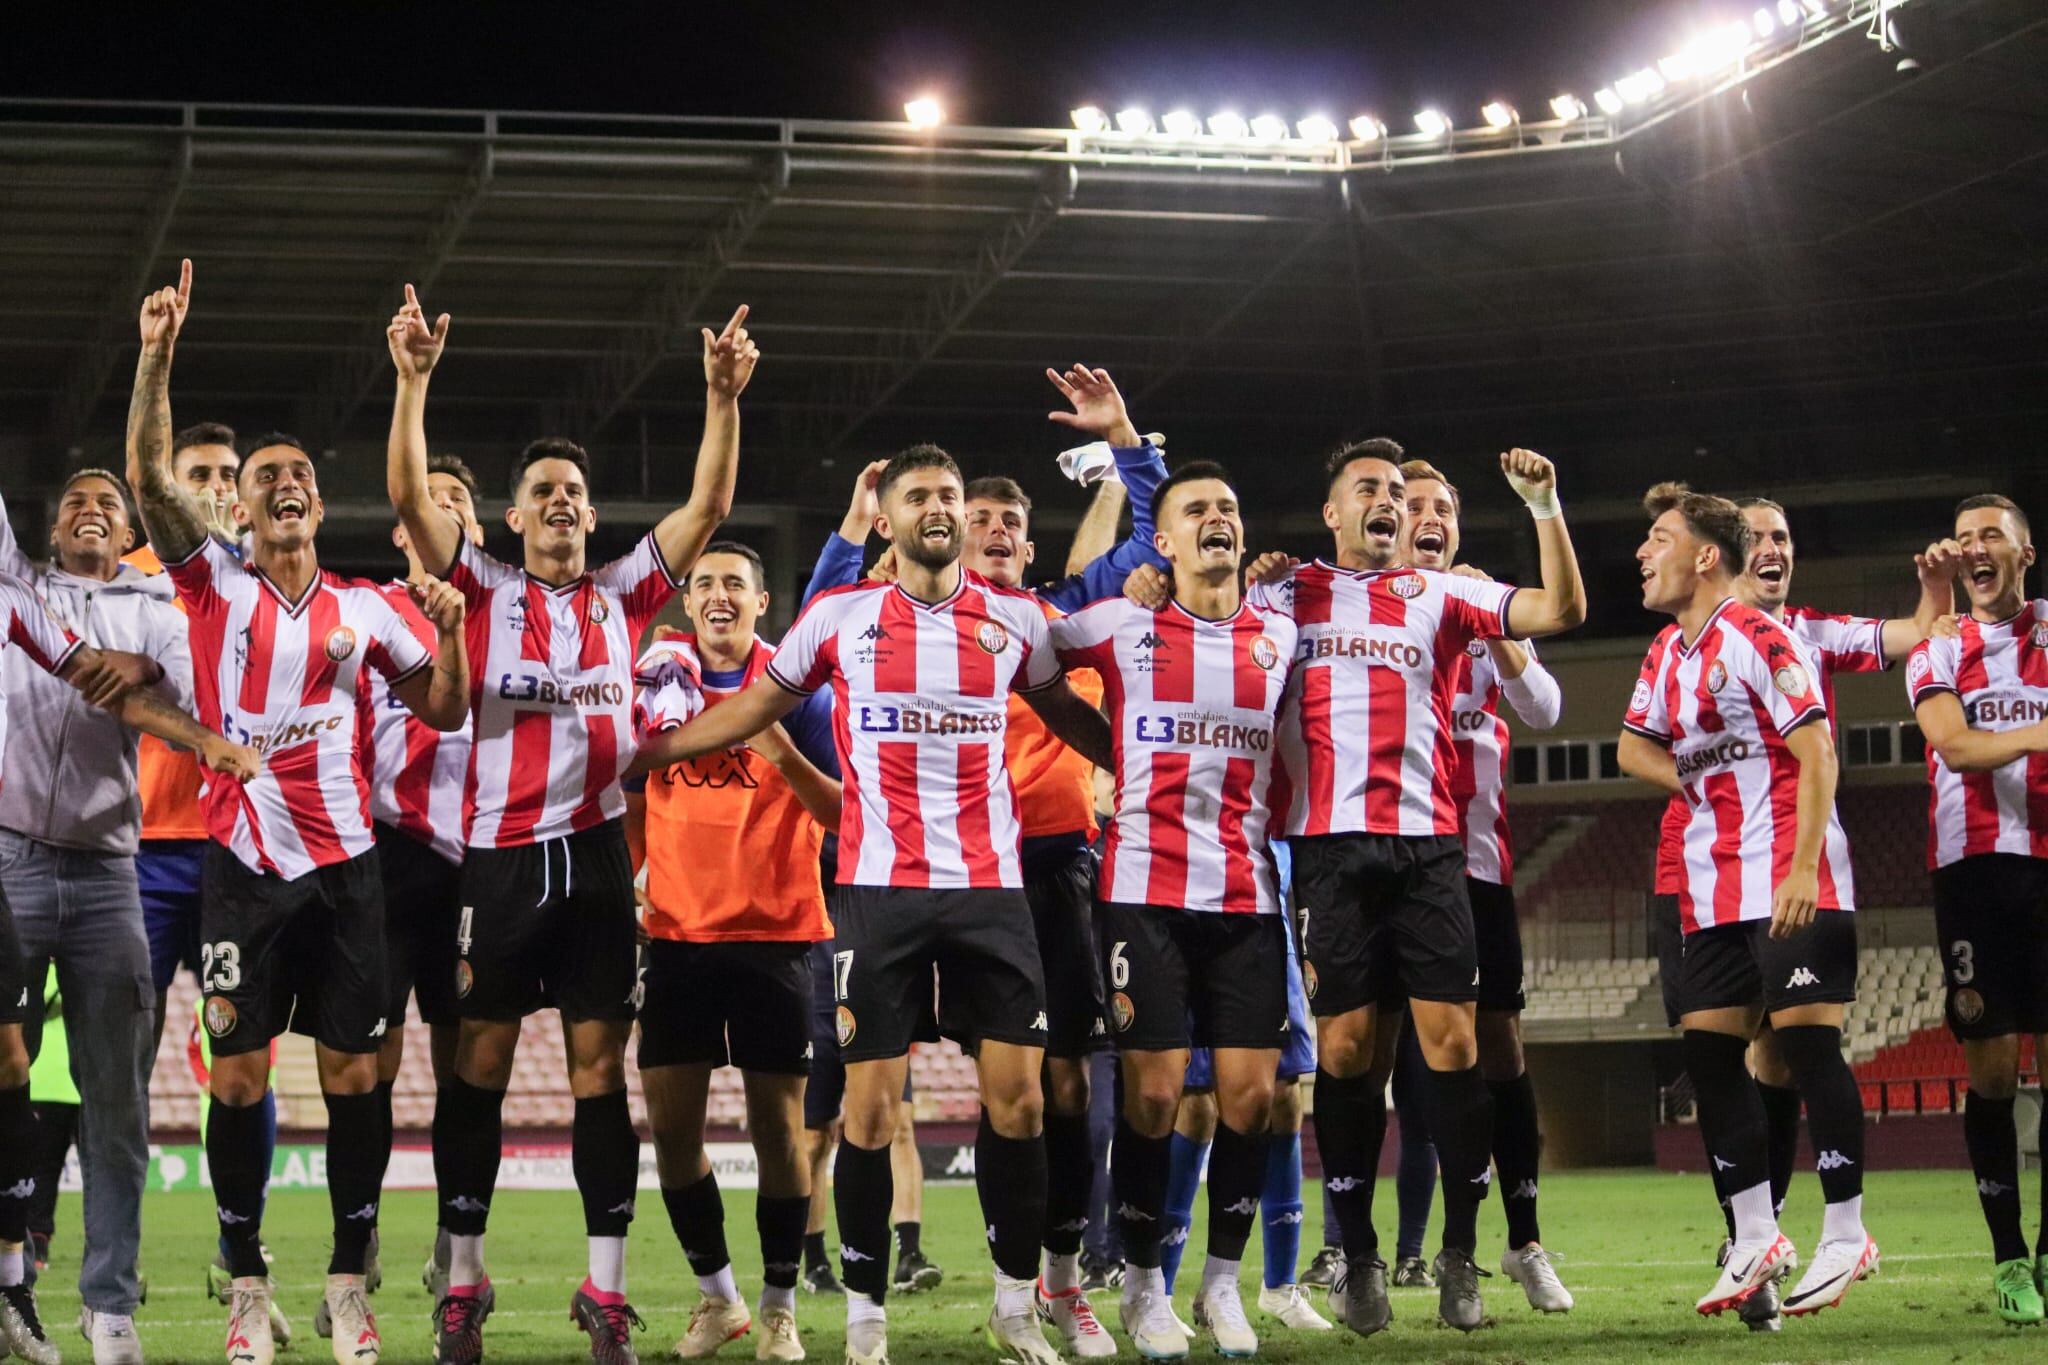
(422, 910)
(1062, 898)
(1667, 941)
(1497, 940)
(890, 939)
(551, 922)
(1383, 916)
(825, 1091)
(1193, 978)
(1741, 964)
(14, 1007)
(727, 1004)
(1991, 913)
(305, 954)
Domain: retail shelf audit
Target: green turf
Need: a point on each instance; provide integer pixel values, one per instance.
(1637, 1251)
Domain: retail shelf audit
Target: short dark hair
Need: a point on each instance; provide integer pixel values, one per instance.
(921, 456)
(1713, 519)
(95, 472)
(1980, 500)
(548, 448)
(273, 438)
(1372, 448)
(1412, 470)
(734, 547)
(1191, 472)
(204, 434)
(1769, 504)
(453, 465)
(999, 488)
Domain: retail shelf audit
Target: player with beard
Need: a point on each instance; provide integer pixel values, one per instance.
(1726, 714)
(293, 924)
(1979, 695)
(929, 867)
(1490, 671)
(549, 915)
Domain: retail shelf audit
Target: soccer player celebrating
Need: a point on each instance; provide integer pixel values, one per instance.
(547, 884)
(1980, 697)
(293, 924)
(1489, 671)
(929, 867)
(1728, 719)
(734, 902)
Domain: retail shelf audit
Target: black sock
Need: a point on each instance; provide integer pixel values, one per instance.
(815, 1254)
(1731, 1111)
(1237, 1172)
(1781, 1125)
(1995, 1159)
(1834, 1106)
(1460, 1117)
(17, 1162)
(779, 1220)
(604, 1153)
(1517, 1152)
(1069, 1177)
(469, 1130)
(697, 1214)
(1332, 1240)
(1351, 1126)
(234, 1160)
(1137, 1173)
(1009, 1174)
(1714, 1174)
(355, 1176)
(908, 1238)
(863, 1187)
(386, 1130)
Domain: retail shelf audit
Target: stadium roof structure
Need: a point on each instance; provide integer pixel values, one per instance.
(1816, 274)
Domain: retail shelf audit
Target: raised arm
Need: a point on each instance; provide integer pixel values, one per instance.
(415, 350)
(173, 517)
(1936, 567)
(729, 360)
(1965, 750)
(1527, 684)
(1795, 899)
(1648, 761)
(1097, 531)
(839, 561)
(1074, 722)
(733, 721)
(12, 560)
(1560, 603)
(439, 695)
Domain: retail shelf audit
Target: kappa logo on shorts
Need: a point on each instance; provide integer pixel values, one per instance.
(1265, 653)
(1121, 1010)
(1407, 586)
(220, 1016)
(465, 979)
(1967, 1006)
(843, 1018)
(1038, 1022)
(341, 642)
(1801, 977)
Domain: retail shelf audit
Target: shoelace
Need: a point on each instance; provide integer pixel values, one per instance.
(1078, 1308)
(458, 1314)
(617, 1316)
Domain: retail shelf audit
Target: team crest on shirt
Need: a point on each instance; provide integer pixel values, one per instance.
(1122, 1011)
(1918, 667)
(599, 612)
(843, 1021)
(1408, 585)
(992, 638)
(465, 978)
(341, 642)
(1791, 680)
(1639, 700)
(1265, 653)
(1717, 676)
(1968, 1006)
(2040, 635)
(1476, 648)
(220, 1016)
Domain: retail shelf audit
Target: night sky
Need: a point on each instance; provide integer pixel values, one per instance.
(991, 62)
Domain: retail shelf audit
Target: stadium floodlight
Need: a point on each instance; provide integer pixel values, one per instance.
(1432, 123)
(1817, 8)
(1228, 126)
(1089, 119)
(1180, 123)
(1608, 101)
(1497, 114)
(924, 112)
(1269, 128)
(1316, 128)
(1638, 86)
(1788, 12)
(1568, 107)
(1764, 23)
(1679, 64)
(1366, 128)
(1133, 121)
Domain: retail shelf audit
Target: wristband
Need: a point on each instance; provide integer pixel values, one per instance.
(1544, 506)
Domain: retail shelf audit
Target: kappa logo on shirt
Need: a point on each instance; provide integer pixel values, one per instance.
(875, 632)
(1150, 640)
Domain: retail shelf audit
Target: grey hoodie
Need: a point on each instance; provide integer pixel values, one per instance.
(68, 776)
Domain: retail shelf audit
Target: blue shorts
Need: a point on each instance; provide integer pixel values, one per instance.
(167, 871)
(1297, 1054)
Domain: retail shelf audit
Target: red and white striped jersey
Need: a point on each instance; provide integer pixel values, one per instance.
(416, 772)
(27, 624)
(1365, 731)
(551, 668)
(285, 677)
(1835, 644)
(1999, 672)
(1479, 783)
(920, 698)
(1724, 706)
(1193, 706)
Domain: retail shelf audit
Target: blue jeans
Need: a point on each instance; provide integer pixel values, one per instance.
(82, 910)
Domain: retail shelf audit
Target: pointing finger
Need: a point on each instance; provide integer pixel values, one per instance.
(184, 279)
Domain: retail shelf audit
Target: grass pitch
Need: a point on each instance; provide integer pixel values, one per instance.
(1637, 1250)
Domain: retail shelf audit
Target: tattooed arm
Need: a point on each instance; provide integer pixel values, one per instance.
(175, 521)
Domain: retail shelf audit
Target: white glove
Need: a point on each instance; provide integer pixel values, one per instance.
(1089, 464)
